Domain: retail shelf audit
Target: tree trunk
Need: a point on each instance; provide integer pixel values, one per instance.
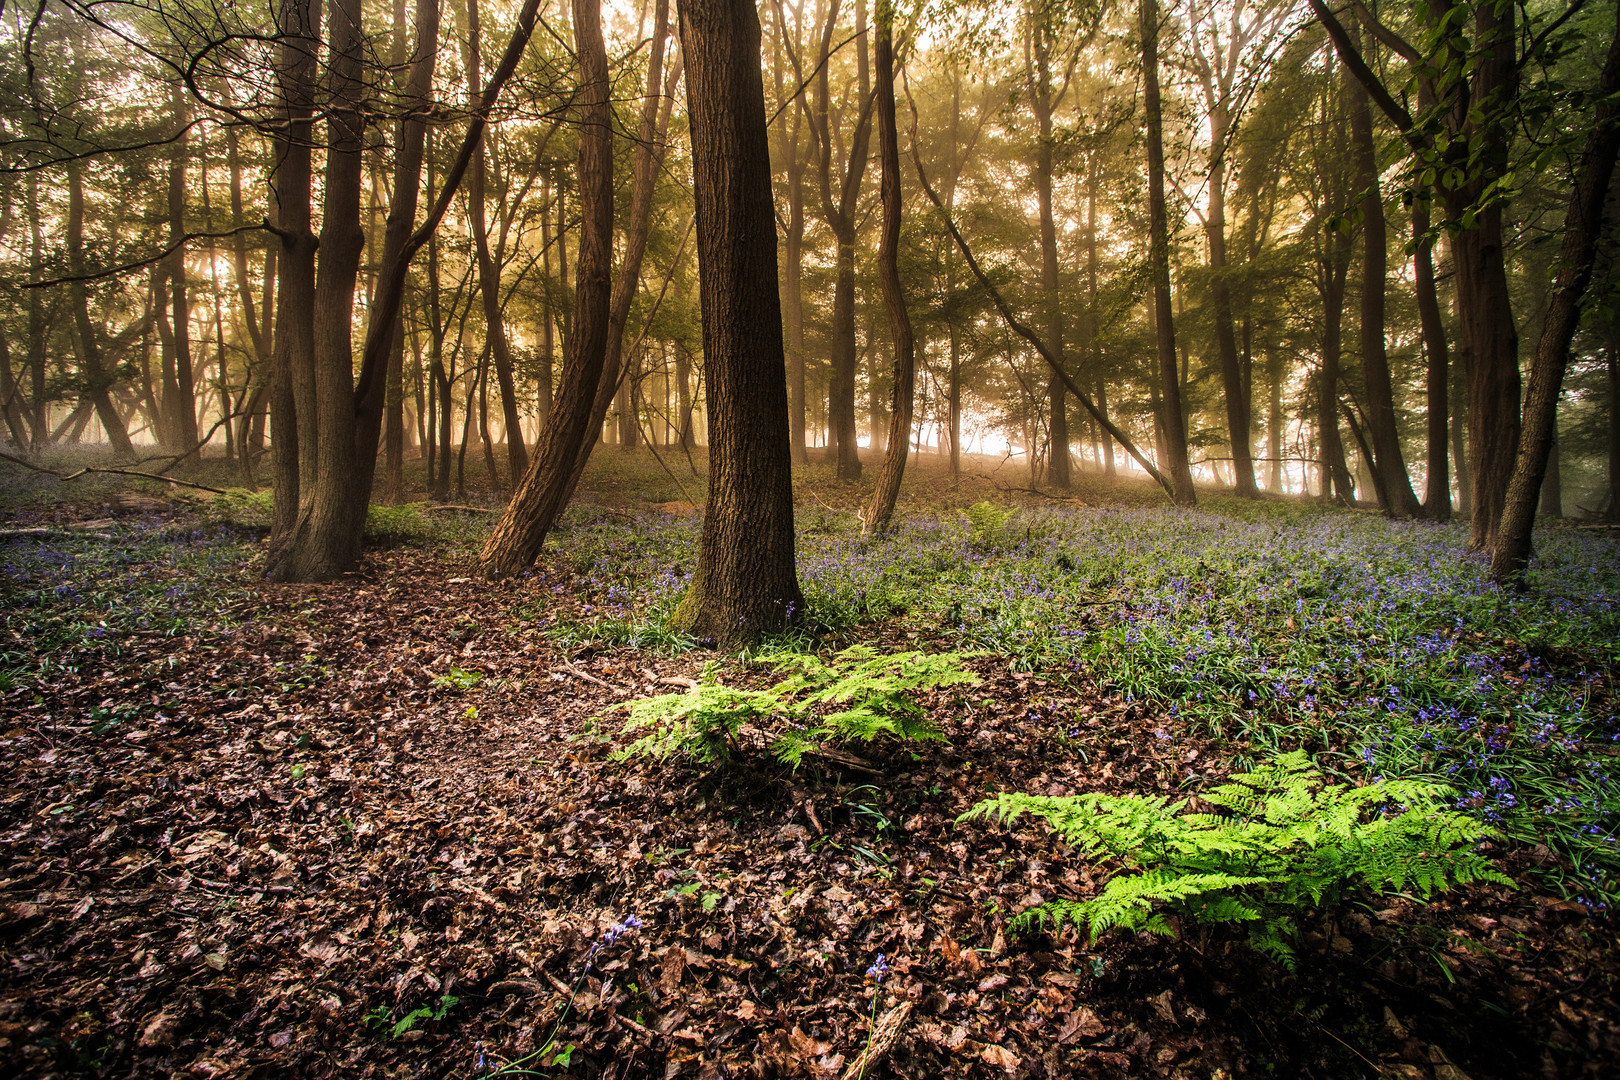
(1040, 80)
(97, 380)
(881, 509)
(489, 276)
(1583, 226)
(1388, 462)
(1611, 352)
(325, 540)
(295, 267)
(179, 430)
(840, 216)
(1175, 425)
(1437, 495)
(1233, 390)
(744, 583)
(542, 493)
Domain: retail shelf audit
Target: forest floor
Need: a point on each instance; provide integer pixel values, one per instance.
(374, 828)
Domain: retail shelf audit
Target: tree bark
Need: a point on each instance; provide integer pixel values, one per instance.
(840, 217)
(1583, 226)
(745, 582)
(1175, 425)
(542, 493)
(325, 540)
(1039, 77)
(291, 184)
(1437, 384)
(98, 380)
(881, 509)
(489, 276)
(1388, 462)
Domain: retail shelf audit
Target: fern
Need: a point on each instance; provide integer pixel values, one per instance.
(860, 695)
(1281, 840)
(988, 525)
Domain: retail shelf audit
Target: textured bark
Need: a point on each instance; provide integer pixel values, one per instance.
(325, 540)
(295, 265)
(744, 583)
(794, 163)
(541, 495)
(881, 509)
(1611, 352)
(1583, 225)
(1175, 425)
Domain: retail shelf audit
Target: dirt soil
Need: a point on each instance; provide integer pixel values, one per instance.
(318, 828)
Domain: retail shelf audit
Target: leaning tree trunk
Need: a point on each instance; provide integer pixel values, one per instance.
(542, 493)
(1175, 424)
(877, 515)
(745, 583)
(1583, 225)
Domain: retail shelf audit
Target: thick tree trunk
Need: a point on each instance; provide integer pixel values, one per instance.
(325, 540)
(881, 509)
(1175, 424)
(542, 493)
(295, 266)
(745, 582)
(1583, 225)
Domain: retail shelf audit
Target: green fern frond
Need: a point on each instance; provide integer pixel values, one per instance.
(1283, 840)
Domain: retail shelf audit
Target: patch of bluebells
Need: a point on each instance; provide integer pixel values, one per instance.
(1262, 623)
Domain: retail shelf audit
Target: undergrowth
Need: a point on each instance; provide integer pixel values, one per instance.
(1280, 841)
(1269, 626)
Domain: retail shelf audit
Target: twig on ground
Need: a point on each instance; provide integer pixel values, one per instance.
(884, 1036)
(144, 475)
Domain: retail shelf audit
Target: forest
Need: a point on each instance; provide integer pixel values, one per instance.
(809, 539)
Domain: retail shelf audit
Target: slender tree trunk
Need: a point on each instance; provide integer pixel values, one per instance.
(1437, 495)
(881, 509)
(1583, 226)
(540, 496)
(1275, 431)
(1237, 399)
(744, 583)
(1175, 425)
(840, 216)
(1388, 462)
(179, 402)
(489, 277)
(98, 380)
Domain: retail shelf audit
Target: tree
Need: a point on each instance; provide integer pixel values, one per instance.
(543, 492)
(1174, 421)
(881, 508)
(745, 582)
